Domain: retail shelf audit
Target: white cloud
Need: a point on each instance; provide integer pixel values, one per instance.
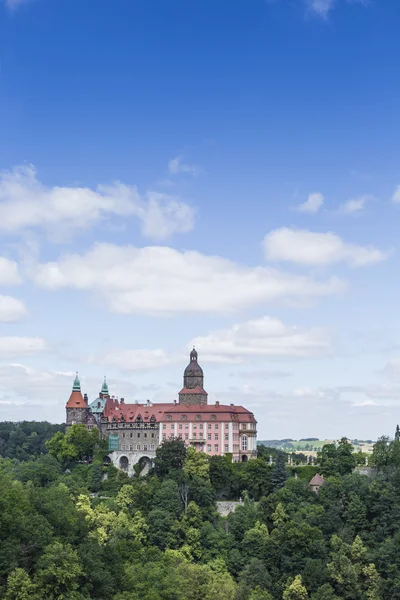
(262, 337)
(176, 166)
(9, 274)
(26, 203)
(354, 205)
(135, 360)
(312, 204)
(162, 280)
(12, 4)
(21, 346)
(396, 195)
(11, 309)
(318, 249)
(321, 7)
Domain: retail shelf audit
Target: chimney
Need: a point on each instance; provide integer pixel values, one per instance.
(175, 402)
(122, 401)
(217, 403)
(86, 399)
(232, 405)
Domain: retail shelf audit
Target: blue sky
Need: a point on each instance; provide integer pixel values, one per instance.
(224, 174)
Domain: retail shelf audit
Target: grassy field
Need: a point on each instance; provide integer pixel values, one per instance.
(312, 447)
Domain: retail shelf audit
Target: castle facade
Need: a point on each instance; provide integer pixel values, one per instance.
(134, 431)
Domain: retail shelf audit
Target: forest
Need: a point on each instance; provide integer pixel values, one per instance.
(75, 528)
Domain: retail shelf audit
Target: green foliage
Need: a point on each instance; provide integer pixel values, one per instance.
(337, 460)
(170, 456)
(68, 533)
(27, 439)
(196, 463)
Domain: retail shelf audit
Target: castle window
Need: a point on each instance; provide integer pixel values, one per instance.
(151, 446)
(137, 446)
(216, 436)
(180, 426)
(131, 434)
(138, 435)
(216, 447)
(152, 435)
(209, 447)
(186, 436)
(145, 435)
(226, 425)
(227, 436)
(209, 426)
(244, 442)
(164, 426)
(198, 417)
(226, 448)
(244, 426)
(213, 417)
(186, 426)
(145, 447)
(123, 435)
(184, 417)
(194, 426)
(209, 436)
(131, 447)
(169, 417)
(201, 425)
(195, 435)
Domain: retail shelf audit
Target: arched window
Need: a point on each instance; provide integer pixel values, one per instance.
(244, 442)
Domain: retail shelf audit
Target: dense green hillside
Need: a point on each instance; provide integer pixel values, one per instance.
(76, 531)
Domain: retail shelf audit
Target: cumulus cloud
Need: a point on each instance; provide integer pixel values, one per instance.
(177, 165)
(21, 346)
(263, 337)
(321, 7)
(354, 205)
(13, 4)
(135, 360)
(11, 309)
(318, 249)
(396, 195)
(312, 204)
(162, 280)
(9, 274)
(26, 203)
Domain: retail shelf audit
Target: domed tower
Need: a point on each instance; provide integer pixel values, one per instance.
(193, 383)
(76, 408)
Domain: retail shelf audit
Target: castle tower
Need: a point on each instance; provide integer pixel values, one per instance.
(76, 407)
(193, 381)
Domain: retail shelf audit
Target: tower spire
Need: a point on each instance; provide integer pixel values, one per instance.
(77, 384)
(104, 387)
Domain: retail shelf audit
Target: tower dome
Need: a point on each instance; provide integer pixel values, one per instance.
(193, 383)
(193, 369)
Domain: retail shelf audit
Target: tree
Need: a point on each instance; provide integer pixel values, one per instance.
(170, 456)
(196, 463)
(381, 453)
(77, 444)
(295, 590)
(59, 572)
(20, 586)
(279, 473)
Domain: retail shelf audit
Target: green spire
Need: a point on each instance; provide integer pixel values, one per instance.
(77, 384)
(104, 387)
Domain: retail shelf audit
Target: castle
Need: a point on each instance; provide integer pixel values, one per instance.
(135, 430)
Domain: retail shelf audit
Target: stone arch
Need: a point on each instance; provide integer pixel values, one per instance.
(245, 458)
(145, 463)
(107, 461)
(124, 463)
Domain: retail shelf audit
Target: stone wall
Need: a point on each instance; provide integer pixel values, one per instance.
(125, 461)
(226, 507)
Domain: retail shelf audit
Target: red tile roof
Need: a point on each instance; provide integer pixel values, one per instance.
(173, 412)
(196, 390)
(76, 401)
(317, 480)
